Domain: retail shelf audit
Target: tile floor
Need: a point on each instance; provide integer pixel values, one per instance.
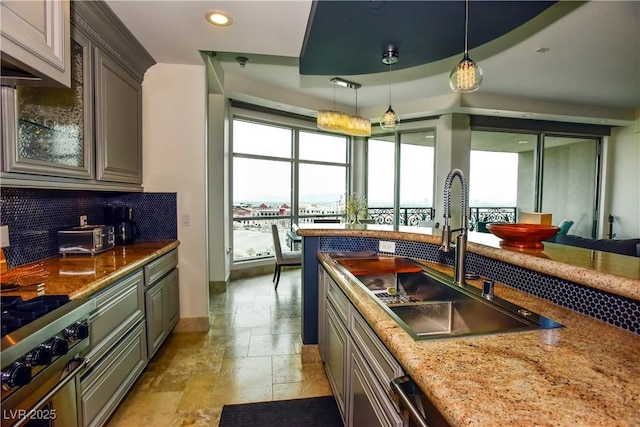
(250, 354)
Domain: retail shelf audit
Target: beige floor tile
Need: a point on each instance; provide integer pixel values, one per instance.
(261, 345)
(236, 351)
(286, 326)
(198, 418)
(147, 409)
(300, 390)
(261, 330)
(290, 369)
(198, 392)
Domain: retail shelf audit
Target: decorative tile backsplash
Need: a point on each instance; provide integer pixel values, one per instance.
(34, 217)
(614, 309)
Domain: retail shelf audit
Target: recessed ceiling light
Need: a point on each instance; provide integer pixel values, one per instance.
(218, 18)
(522, 141)
(542, 50)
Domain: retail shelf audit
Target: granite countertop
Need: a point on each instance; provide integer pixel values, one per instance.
(617, 274)
(80, 276)
(584, 374)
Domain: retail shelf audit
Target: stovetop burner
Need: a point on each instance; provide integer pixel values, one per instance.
(17, 312)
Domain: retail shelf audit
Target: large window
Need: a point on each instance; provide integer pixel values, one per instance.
(407, 178)
(501, 176)
(512, 173)
(322, 175)
(282, 175)
(569, 182)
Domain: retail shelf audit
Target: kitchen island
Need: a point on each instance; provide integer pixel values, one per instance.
(584, 374)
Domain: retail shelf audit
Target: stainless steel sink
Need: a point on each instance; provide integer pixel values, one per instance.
(429, 305)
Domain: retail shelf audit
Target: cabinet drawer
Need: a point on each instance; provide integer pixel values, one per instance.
(161, 266)
(382, 363)
(118, 309)
(106, 384)
(338, 299)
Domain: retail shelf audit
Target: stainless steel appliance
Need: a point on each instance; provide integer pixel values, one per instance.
(415, 408)
(121, 217)
(86, 239)
(42, 340)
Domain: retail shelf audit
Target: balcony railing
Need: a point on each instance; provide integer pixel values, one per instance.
(416, 216)
(408, 215)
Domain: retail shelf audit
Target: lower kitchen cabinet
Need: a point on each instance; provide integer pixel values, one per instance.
(106, 384)
(358, 365)
(118, 309)
(161, 301)
(367, 407)
(162, 304)
(133, 317)
(335, 358)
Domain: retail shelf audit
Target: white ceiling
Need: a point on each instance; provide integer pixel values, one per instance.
(590, 72)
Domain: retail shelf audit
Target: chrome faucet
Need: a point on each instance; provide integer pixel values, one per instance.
(461, 239)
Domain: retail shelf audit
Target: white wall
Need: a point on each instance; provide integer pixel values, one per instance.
(174, 153)
(623, 180)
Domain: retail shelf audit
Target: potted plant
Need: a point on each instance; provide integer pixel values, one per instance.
(356, 207)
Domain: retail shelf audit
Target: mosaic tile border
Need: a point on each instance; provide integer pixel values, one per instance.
(34, 217)
(613, 309)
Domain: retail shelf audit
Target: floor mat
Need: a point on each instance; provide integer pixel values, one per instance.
(312, 412)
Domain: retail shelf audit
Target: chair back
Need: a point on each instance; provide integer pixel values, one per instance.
(276, 242)
(565, 225)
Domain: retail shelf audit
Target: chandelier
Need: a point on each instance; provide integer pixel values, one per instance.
(341, 122)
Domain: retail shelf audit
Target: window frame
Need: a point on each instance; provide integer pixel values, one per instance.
(295, 127)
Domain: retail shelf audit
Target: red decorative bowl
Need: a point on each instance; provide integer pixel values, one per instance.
(522, 236)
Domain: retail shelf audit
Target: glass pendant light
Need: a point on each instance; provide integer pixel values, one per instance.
(389, 119)
(341, 122)
(466, 76)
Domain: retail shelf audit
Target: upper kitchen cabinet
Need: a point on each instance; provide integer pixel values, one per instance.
(118, 122)
(87, 136)
(35, 42)
(48, 130)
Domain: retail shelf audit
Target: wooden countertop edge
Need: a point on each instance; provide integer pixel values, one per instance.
(562, 363)
(123, 260)
(108, 280)
(608, 282)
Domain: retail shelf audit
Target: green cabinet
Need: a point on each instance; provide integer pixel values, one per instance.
(117, 351)
(87, 136)
(118, 100)
(358, 365)
(132, 319)
(35, 41)
(48, 131)
(162, 303)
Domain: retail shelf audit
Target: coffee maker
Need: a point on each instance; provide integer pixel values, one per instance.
(121, 217)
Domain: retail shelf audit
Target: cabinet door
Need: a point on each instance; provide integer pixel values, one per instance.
(172, 300)
(154, 301)
(35, 38)
(336, 361)
(322, 310)
(47, 130)
(118, 125)
(106, 384)
(365, 409)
